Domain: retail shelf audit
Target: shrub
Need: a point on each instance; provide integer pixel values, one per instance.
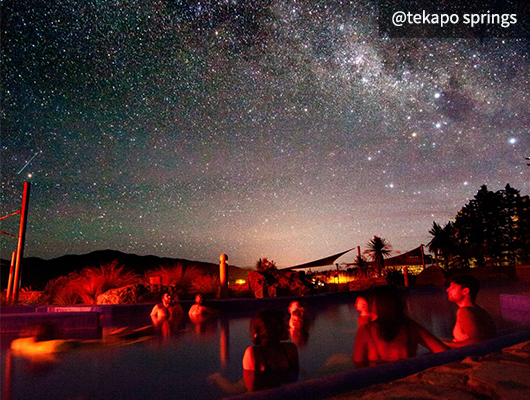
(67, 295)
(263, 264)
(205, 284)
(86, 286)
(52, 293)
(96, 281)
(176, 276)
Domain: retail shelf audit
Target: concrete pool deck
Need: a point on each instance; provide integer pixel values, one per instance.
(500, 375)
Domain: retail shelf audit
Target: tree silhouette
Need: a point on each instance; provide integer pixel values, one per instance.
(442, 242)
(517, 225)
(378, 250)
(363, 267)
(492, 229)
(481, 226)
(264, 264)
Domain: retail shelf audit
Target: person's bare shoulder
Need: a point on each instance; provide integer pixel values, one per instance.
(466, 315)
(249, 359)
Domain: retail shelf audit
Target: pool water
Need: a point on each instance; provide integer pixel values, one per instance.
(184, 366)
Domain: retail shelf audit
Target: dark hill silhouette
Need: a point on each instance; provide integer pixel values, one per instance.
(37, 272)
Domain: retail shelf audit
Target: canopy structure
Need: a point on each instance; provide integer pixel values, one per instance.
(319, 263)
(413, 257)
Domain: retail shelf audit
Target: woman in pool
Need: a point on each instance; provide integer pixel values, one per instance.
(391, 335)
(271, 361)
(365, 316)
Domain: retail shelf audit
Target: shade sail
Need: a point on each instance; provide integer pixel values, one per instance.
(412, 257)
(319, 263)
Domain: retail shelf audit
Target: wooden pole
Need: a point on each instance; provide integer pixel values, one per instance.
(422, 257)
(223, 276)
(21, 240)
(9, 293)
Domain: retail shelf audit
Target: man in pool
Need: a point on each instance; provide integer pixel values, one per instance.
(199, 310)
(473, 323)
(166, 312)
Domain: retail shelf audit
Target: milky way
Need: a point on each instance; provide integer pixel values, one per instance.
(283, 129)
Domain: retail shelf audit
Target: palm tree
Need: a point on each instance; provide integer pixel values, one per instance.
(363, 267)
(378, 250)
(442, 241)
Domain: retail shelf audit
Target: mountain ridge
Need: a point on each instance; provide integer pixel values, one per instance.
(37, 272)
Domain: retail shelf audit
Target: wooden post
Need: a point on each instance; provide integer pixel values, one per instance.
(422, 258)
(223, 276)
(9, 293)
(21, 239)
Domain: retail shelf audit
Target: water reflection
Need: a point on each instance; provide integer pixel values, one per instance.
(224, 342)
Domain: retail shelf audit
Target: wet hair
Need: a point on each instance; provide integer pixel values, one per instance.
(390, 311)
(468, 281)
(268, 327)
(300, 306)
(361, 299)
(298, 313)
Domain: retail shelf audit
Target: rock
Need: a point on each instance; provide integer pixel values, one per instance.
(431, 276)
(511, 384)
(411, 391)
(256, 280)
(137, 293)
(123, 295)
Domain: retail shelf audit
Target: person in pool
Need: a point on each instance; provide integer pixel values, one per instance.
(299, 323)
(166, 316)
(199, 310)
(165, 311)
(271, 360)
(391, 335)
(473, 323)
(361, 305)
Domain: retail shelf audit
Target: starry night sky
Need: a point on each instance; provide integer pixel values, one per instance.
(283, 129)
